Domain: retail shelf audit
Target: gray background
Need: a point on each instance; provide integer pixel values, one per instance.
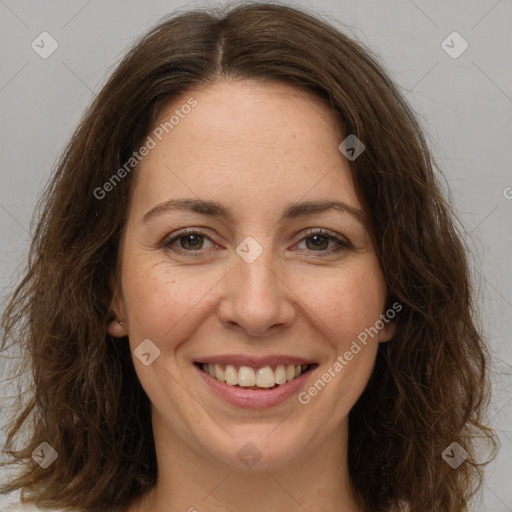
(464, 105)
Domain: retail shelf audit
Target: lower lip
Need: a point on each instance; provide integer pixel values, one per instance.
(254, 398)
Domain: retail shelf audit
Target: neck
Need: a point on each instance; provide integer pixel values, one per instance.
(315, 480)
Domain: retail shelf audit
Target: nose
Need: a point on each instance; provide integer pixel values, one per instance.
(256, 299)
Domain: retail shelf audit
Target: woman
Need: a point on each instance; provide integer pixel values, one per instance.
(246, 290)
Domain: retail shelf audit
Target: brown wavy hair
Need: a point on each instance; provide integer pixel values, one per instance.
(429, 386)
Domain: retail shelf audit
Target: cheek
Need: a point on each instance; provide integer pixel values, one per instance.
(345, 307)
(165, 305)
(163, 302)
(346, 302)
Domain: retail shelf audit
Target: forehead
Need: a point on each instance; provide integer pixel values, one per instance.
(267, 141)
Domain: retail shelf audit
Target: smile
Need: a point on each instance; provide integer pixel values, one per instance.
(254, 382)
(266, 377)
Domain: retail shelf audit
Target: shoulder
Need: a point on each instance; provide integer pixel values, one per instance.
(20, 507)
(12, 504)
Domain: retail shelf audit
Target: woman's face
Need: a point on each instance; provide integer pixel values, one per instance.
(232, 258)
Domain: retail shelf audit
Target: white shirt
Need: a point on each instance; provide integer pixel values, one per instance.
(11, 503)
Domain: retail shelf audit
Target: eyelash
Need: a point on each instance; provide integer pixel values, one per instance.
(342, 244)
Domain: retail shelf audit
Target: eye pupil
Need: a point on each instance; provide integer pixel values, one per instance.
(193, 241)
(319, 241)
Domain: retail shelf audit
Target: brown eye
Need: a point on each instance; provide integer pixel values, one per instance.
(323, 242)
(317, 242)
(192, 241)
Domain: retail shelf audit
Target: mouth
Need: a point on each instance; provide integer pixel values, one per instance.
(266, 377)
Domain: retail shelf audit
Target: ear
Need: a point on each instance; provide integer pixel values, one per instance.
(115, 327)
(388, 331)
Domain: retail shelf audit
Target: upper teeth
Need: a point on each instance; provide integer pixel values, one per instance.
(245, 376)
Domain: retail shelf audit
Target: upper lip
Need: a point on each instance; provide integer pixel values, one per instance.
(254, 361)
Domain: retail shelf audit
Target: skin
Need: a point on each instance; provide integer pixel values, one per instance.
(255, 148)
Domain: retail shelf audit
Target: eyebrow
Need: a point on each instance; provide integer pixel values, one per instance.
(216, 209)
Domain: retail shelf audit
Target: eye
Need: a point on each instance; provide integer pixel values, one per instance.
(319, 240)
(189, 241)
(316, 240)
